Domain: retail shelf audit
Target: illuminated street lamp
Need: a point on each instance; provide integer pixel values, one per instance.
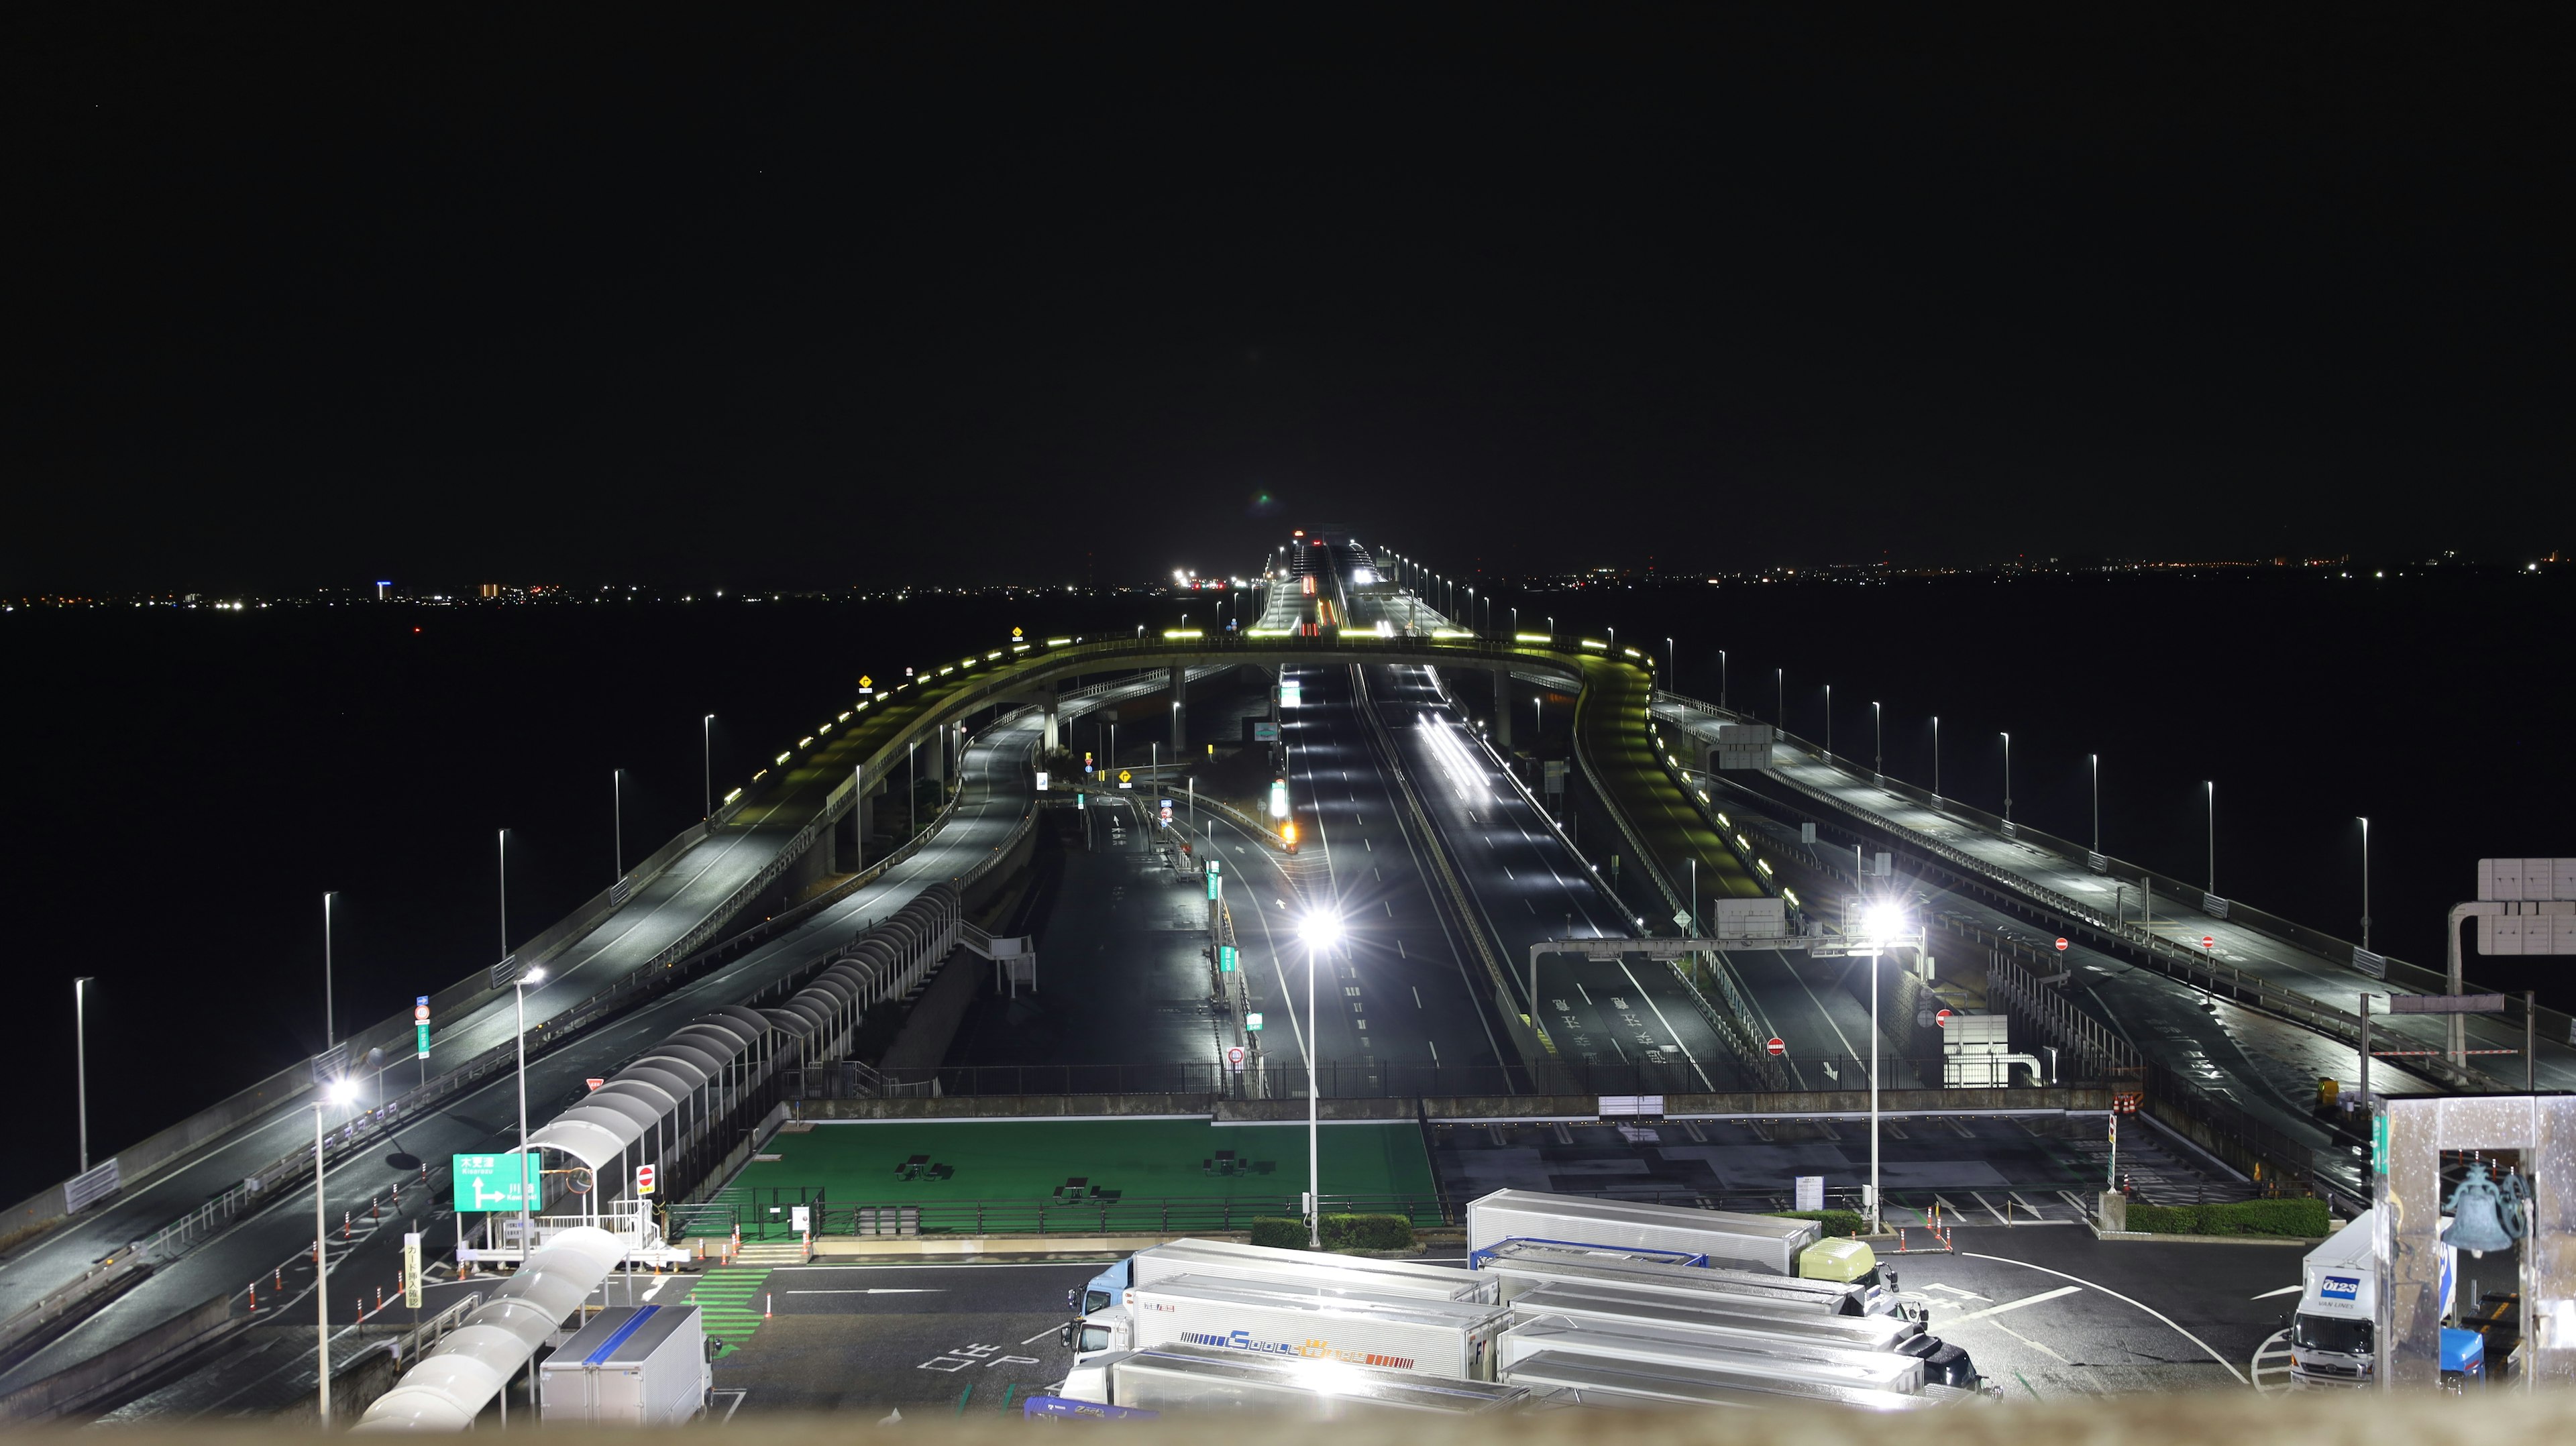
(1882, 921)
(1321, 929)
(527, 1221)
(337, 1092)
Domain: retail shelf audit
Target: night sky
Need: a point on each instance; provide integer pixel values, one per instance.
(953, 294)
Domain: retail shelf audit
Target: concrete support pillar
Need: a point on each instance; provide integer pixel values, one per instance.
(866, 811)
(1048, 742)
(1503, 709)
(934, 755)
(1180, 711)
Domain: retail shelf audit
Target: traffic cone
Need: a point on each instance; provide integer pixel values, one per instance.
(766, 1301)
(254, 1297)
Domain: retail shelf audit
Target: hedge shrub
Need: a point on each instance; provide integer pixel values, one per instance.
(1836, 1222)
(1367, 1232)
(2295, 1218)
(1341, 1232)
(1280, 1234)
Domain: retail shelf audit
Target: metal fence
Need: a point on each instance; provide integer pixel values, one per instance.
(1806, 1074)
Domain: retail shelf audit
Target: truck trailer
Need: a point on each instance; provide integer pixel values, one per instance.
(1225, 1258)
(1759, 1359)
(1433, 1337)
(1615, 1309)
(1215, 1380)
(1622, 1385)
(1521, 1264)
(1766, 1244)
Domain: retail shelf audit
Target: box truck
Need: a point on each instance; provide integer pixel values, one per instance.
(2331, 1336)
(1613, 1308)
(1757, 1358)
(1520, 1264)
(1432, 1337)
(1624, 1385)
(632, 1365)
(1210, 1379)
(1763, 1243)
(1260, 1262)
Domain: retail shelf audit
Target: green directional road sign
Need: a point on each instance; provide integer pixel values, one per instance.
(1225, 959)
(482, 1182)
(420, 1039)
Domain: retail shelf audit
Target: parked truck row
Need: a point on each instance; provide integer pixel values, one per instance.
(1568, 1302)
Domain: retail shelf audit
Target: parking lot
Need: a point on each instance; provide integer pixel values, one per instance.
(2047, 1311)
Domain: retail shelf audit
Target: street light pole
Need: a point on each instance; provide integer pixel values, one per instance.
(1319, 929)
(617, 815)
(2365, 885)
(2209, 789)
(2096, 759)
(1721, 679)
(1829, 722)
(1936, 755)
(2007, 778)
(707, 743)
(1672, 668)
(527, 1221)
(330, 1015)
(1780, 700)
(337, 1091)
(80, 1059)
(505, 893)
(1877, 742)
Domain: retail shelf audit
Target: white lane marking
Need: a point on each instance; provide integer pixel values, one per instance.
(1990, 1208)
(2034, 1345)
(2012, 1305)
(873, 1290)
(658, 1287)
(1669, 1032)
(2115, 1295)
(1435, 1053)
(1042, 1335)
(2284, 1290)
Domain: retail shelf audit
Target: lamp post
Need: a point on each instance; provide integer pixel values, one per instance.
(617, 817)
(1829, 722)
(707, 746)
(1877, 743)
(1721, 679)
(2209, 791)
(2007, 778)
(1672, 668)
(2365, 888)
(1320, 929)
(80, 1059)
(1936, 756)
(527, 1213)
(2096, 760)
(1881, 920)
(337, 1092)
(330, 1015)
(1780, 697)
(505, 893)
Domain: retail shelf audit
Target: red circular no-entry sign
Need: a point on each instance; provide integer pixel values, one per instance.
(1942, 1018)
(2061, 946)
(2207, 942)
(1777, 1046)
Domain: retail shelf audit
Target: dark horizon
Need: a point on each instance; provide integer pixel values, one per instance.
(930, 298)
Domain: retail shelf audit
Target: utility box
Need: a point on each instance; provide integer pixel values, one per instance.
(1749, 918)
(633, 1365)
(1738, 747)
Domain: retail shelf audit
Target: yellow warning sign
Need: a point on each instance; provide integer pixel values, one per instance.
(1123, 775)
(866, 682)
(1015, 632)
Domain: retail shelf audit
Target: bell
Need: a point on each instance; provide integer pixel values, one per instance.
(2478, 1222)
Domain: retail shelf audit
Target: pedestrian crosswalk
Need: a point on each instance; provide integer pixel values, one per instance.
(729, 1305)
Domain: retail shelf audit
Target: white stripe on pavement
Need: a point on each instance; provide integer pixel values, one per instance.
(2012, 1305)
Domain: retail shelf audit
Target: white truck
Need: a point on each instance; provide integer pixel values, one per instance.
(1677, 1234)
(1454, 1339)
(2332, 1335)
(1760, 1360)
(1210, 1379)
(1261, 1262)
(1521, 1265)
(1104, 1322)
(1729, 1321)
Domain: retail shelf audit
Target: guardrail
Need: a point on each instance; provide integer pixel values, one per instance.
(1735, 1032)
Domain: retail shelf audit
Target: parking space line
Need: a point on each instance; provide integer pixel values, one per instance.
(2225, 1363)
(2013, 1304)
